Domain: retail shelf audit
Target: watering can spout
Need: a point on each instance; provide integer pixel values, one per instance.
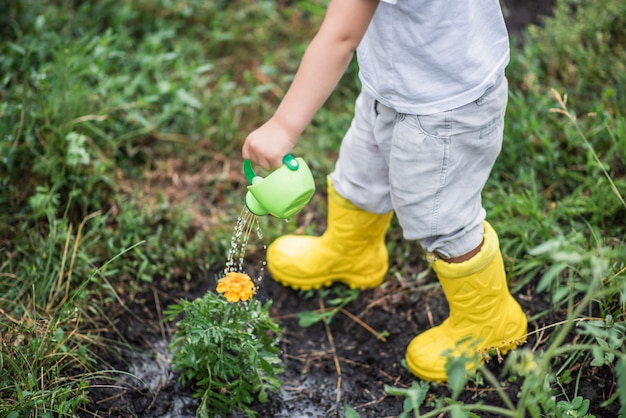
(254, 205)
(283, 193)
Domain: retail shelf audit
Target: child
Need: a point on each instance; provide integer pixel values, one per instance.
(426, 132)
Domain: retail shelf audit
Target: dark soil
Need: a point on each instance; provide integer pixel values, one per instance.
(313, 386)
(325, 366)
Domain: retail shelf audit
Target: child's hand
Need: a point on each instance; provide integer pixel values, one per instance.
(267, 145)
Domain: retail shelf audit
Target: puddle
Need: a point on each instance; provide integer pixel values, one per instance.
(303, 397)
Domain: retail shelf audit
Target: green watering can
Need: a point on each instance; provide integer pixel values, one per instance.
(282, 193)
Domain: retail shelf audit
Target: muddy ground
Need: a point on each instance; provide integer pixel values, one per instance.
(325, 367)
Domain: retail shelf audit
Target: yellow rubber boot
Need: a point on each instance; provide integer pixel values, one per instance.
(352, 250)
(483, 314)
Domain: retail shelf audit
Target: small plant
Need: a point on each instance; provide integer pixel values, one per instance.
(413, 397)
(228, 350)
(577, 407)
(340, 297)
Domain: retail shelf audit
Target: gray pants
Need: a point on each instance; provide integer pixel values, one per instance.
(429, 169)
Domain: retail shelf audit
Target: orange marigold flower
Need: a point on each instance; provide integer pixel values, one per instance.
(236, 286)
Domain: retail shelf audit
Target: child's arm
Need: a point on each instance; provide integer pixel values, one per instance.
(322, 66)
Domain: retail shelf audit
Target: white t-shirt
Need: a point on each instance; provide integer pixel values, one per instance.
(427, 56)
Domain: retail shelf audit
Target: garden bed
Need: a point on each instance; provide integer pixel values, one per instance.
(312, 386)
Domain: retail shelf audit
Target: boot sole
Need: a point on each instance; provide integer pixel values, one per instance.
(353, 281)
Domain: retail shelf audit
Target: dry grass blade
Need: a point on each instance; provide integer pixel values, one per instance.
(334, 352)
(563, 110)
(371, 330)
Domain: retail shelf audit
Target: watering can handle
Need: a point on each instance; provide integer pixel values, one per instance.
(289, 160)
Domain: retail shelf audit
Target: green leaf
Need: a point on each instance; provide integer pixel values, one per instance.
(308, 318)
(263, 395)
(17, 48)
(455, 369)
(547, 247)
(560, 294)
(598, 356)
(577, 402)
(568, 257)
(414, 396)
(549, 276)
(19, 392)
(350, 412)
(457, 411)
(188, 99)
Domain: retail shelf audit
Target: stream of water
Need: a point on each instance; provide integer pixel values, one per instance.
(246, 223)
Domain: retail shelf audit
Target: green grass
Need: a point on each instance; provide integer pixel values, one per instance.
(95, 97)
